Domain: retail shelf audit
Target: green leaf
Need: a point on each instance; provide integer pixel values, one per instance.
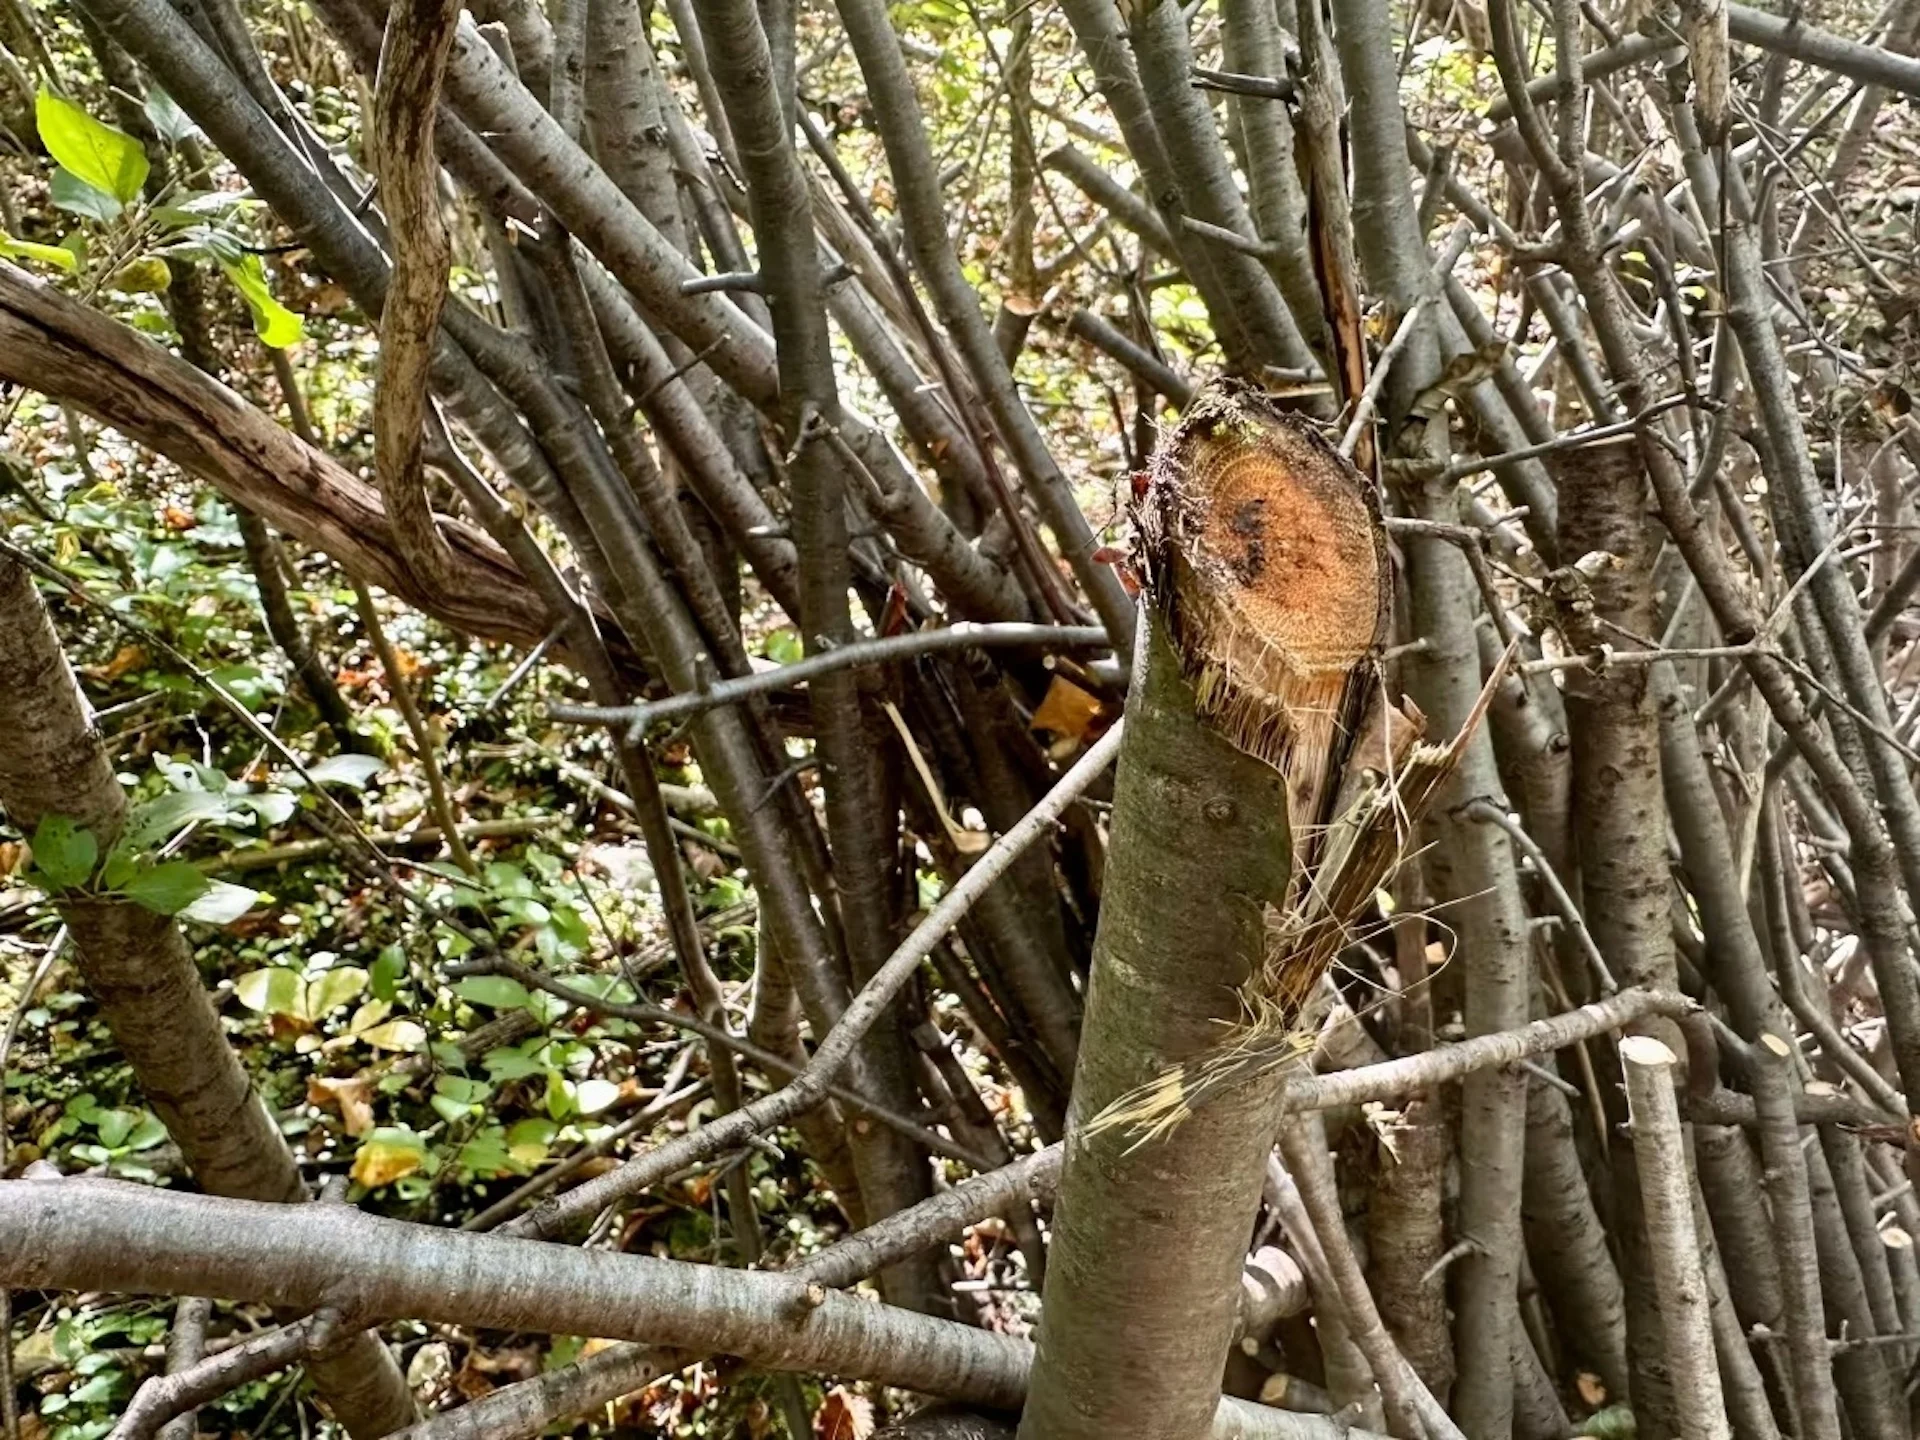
(513, 1064)
(103, 157)
(144, 275)
(167, 889)
(603, 987)
(354, 770)
(115, 1126)
(69, 192)
(275, 991)
(388, 971)
(148, 1133)
(167, 118)
(497, 992)
(277, 326)
(486, 1154)
(157, 820)
(64, 852)
(220, 904)
(333, 989)
(55, 255)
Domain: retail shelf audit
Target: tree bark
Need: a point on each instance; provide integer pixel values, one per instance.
(1148, 1242)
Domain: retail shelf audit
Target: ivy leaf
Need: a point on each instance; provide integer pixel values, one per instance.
(109, 160)
(70, 193)
(275, 991)
(64, 852)
(221, 904)
(167, 889)
(57, 256)
(277, 326)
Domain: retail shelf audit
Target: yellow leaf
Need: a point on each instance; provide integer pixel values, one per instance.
(1067, 710)
(395, 1035)
(387, 1155)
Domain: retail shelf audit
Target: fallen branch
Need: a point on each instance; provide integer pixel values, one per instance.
(105, 1235)
(77, 356)
(1394, 1078)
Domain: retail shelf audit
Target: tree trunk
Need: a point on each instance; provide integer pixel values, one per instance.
(1267, 605)
(1148, 1243)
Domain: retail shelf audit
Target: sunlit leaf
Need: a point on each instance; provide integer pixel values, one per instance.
(277, 326)
(387, 1155)
(394, 1035)
(334, 988)
(57, 256)
(277, 990)
(220, 904)
(107, 159)
(354, 770)
(590, 1097)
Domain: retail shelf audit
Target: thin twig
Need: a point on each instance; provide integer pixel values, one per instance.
(811, 1084)
(881, 650)
(1489, 813)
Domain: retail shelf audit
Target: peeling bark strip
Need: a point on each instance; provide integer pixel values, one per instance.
(406, 98)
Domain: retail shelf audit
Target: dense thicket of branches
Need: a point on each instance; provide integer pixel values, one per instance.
(699, 324)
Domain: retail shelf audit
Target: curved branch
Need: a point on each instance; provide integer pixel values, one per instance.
(406, 94)
(61, 348)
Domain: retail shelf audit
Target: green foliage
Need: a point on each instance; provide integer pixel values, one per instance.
(107, 161)
(64, 852)
(99, 177)
(276, 325)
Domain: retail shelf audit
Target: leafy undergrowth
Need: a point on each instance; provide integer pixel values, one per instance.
(436, 1096)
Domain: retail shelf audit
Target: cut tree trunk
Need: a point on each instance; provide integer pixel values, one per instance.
(1266, 583)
